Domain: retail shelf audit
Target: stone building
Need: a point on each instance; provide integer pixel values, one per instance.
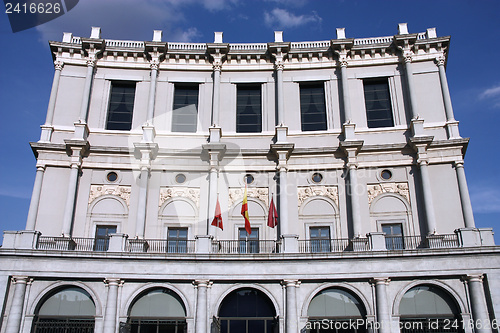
(353, 139)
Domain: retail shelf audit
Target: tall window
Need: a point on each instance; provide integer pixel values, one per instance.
(102, 237)
(248, 243)
(121, 106)
(185, 109)
(177, 240)
(378, 103)
(248, 109)
(312, 106)
(320, 239)
(393, 236)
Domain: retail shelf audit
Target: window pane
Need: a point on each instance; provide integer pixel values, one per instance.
(185, 109)
(312, 107)
(320, 239)
(248, 109)
(378, 104)
(121, 106)
(177, 240)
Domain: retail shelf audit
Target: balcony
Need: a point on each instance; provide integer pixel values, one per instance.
(204, 244)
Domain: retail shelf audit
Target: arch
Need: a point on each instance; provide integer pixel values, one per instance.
(438, 284)
(354, 291)
(246, 310)
(177, 206)
(117, 206)
(217, 304)
(256, 208)
(157, 308)
(390, 200)
(141, 290)
(61, 285)
(65, 308)
(319, 203)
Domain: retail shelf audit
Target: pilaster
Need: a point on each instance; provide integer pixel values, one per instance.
(480, 316)
(282, 152)
(215, 152)
(291, 318)
(383, 308)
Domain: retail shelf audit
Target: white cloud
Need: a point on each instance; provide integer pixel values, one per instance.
(184, 36)
(485, 199)
(491, 95)
(284, 19)
(292, 3)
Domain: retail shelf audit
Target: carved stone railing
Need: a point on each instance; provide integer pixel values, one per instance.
(373, 40)
(187, 46)
(124, 44)
(310, 45)
(247, 47)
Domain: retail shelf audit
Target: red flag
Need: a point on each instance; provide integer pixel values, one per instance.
(244, 212)
(272, 217)
(217, 222)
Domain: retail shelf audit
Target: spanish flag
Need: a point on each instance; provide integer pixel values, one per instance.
(217, 221)
(244, 212)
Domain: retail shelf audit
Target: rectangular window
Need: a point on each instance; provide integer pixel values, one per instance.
(393, 236)
(312, 106)
(378, 103)
(320, 239)
(248, 243)
(101, 242)
(185, 108)
(121, 106)
(177, 240)
(248, 109)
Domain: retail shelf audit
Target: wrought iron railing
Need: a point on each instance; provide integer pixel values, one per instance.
(50, 325)
(160, 246)
(245, 246)
(333, 245)
(72, 244)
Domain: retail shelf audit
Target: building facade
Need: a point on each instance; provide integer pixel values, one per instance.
(354, 140)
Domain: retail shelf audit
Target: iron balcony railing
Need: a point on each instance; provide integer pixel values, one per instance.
(333, 245)
(444, 241)
(160, 245)
(245, 246)
(73, 243)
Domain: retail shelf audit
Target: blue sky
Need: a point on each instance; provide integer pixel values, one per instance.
(473, 69)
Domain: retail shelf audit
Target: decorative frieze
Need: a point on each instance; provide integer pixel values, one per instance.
(304, 192)
(376, 189)
(121, 191)
(192, 194)
(261, 193)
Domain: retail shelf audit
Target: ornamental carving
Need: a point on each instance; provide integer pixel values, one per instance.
(305, 192)
(192, 194)
(440, 60)
(375, 190)
(58, 65)
(97, 191)
(261, 193)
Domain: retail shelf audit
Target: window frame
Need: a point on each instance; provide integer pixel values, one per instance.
(101, 242)
(177, 244)
(186, 87)
(249, 244)
(313, 84)
(386, 80)
(249, 87)
(109, 112)
(320, 244)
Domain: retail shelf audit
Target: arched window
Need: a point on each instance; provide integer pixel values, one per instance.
(158, 310)
(69, 309)
(428, 308)
(336, 310)
(247, 310)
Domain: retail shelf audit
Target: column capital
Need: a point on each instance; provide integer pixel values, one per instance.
(279, 65)
(40, 167)
(21, 280)
(290, 283)
(58, 65)
(154, 64)
(474, 278)
(113, 282)
(343, 63)
(380, 280)
(459, 164)
(202, 283)
(440, 61)
(91, 62)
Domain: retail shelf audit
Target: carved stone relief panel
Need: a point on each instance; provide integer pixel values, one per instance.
(376, 189)
(119, 190)
(305, 192)
(186, 192)
(261, 193)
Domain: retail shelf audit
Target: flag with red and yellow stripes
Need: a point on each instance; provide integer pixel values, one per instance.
(244, 212)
